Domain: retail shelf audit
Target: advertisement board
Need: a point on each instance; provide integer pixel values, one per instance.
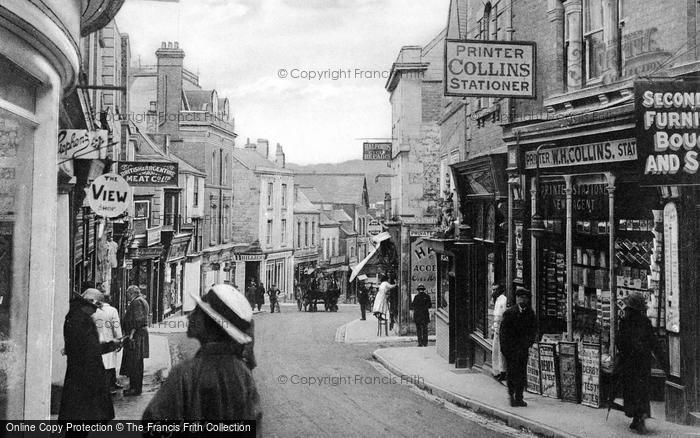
(548, 370)
(667, 122)
(109, 195)
(376, 151)
(612, 151)
(83, 144)
(423, 267)
(590, 375)
(481, 68)
(146, 173)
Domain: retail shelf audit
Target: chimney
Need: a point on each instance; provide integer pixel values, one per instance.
(263, 147)
(169, 103)
(249, 145)
(279, 156)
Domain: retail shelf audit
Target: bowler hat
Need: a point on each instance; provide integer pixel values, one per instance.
(420, 287)
(636, 301)
(522, 292)
(229, 309)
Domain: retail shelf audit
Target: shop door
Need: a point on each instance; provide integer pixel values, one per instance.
(252, 271)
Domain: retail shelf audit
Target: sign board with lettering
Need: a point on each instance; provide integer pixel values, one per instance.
(150, 252)
(590, 375)
(667, 120)
(568, 374)
(109, 195)
(376, 151)
(613, 151)
(548, 370)
(490, 68)
(533, 370)
(423, 267)
(83, 144)
(141, 173)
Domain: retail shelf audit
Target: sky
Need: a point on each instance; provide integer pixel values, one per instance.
(262, 54)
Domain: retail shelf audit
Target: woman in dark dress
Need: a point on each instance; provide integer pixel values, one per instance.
(635, 344)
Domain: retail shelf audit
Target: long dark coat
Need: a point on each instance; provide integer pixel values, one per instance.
(214, 385)
(260, 294)
(85, 393)
(518, 332)
(136, 317)
(421, 304)
(362, 295)
(635, 343)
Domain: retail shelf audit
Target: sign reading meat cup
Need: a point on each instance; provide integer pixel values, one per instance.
(143, 173)
(668, 119)
(109, 195)
(490, 68)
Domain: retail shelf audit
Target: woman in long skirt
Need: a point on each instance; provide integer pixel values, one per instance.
(498, 362)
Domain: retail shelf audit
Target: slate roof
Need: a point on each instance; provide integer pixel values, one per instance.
(252, 159)
(199, 100)
(303, 205)
(311, 193)
(346, 188)
(340, 216)
(327, 220)
(156, 154)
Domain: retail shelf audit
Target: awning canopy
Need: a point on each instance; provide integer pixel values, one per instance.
(358, 269)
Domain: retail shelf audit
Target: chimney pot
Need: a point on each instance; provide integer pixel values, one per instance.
(177, 45)
(163, 45)
(170, 45)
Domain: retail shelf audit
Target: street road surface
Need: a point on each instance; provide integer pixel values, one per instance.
(312, 386)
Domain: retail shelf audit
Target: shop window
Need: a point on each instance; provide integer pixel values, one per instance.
(443, 298)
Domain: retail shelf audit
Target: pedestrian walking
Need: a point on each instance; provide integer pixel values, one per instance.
(381, 301)
(518, 331)
(85, 393)
(498, 361)
(274, 294)
(215, 384)
(260, 295)
(421, 316)
(362, 298)
(109, 328)
(251, 293)
(635, 344)
(136, 347)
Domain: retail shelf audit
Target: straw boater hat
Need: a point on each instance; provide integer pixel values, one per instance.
(91, 297)
(229, 309)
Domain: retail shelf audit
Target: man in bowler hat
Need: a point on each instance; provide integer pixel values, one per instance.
(518, 332)
(421, 316)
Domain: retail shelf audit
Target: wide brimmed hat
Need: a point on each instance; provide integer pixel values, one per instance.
(229, 309)
(522, 292)
(636, 301)
(92, 297)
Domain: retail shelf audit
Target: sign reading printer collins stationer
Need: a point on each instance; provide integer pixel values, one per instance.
(490, 68)
(591, 153)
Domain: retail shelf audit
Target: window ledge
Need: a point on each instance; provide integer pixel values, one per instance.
(591, 91)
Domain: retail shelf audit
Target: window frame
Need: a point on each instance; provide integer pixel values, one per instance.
(268, 233)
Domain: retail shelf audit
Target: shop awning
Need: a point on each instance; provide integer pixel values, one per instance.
(358, 269)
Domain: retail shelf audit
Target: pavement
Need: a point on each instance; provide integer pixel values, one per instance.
(481, 393)
(365, 332)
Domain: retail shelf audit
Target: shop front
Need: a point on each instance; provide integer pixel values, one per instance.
(278, 268)
(142, 268)
(594, 231)
(174, 273)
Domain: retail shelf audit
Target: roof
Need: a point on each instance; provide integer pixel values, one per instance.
(327, 220)
(253, 160)
(345, 188)
(339, 215)
(303, 205)
(311, 193)
(199, 100)
(347, 232)
(158, 155)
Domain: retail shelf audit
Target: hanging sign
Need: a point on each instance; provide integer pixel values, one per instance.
(140, 173)
(671, 273)
(533, 370)
(83, 144)
(590, 375)
(490, 68)
(376, 151)
(667, 119)
(548, 370)
(109, 195)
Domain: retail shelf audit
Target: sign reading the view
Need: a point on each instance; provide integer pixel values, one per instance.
(109, 195)
(490, 68)
(83, 144)
(376, 151)
(592, 153)
(668, 118)
(142, 173)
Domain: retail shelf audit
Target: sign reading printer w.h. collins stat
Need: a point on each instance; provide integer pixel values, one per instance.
(490, 68)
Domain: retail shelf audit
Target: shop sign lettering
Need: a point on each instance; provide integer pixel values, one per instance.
(548, 371)
(613, 151)
(138, 173)
(109, 195)
(668, 118)
(489, 68)
(533, 370)
(590, 375)
(423, 267)
(83, 144)
(376, 151)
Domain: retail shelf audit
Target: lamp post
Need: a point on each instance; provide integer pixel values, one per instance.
(537, 221)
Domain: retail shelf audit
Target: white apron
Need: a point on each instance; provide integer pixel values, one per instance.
(498, 362)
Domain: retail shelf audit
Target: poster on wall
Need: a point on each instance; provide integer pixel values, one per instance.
(672, 275)
(519, 263)
(667, 124)
(548, 370)
(590, 375)
(533, 370)
(423, 267)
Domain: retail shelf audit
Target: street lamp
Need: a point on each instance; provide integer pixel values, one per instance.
(536, 221)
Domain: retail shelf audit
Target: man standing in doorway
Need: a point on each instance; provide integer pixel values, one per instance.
(518, 332)
(421, 315)
(137, 347)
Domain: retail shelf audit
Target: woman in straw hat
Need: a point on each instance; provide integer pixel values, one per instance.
(636, 343)
(216, 383)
